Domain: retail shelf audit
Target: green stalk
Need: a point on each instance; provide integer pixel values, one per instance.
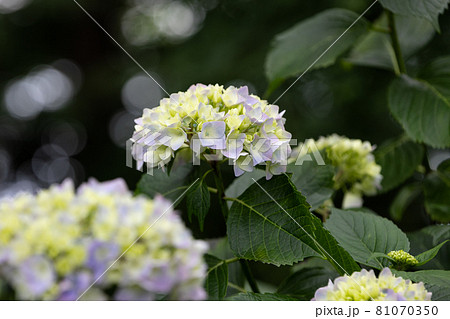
(396, 43)
(248, 274)
(231, 285)
(212, 190)
(220, 189)
(224, 207)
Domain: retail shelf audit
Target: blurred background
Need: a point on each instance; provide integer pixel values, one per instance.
(69, 94)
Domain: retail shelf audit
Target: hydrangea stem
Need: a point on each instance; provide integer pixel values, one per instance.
(224, 207)
(248, 274)
(212, 190)
(395, 43)
(220, 189)
(231, 285)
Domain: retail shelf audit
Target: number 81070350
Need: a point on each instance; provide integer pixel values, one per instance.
(410, 310)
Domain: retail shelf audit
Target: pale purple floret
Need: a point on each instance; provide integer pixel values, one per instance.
(261, 150)
(36, 275)
(245, 97)
(321, 293)
(101, 255)
(391, 295)
(149, 139)
(256, 115)
(213, 135)
(234, 145)
(173, 137)
(161, 207)
(157, 277)
(115, 186)
(243, 164)
(74, 285)
(5, 255)
(274, 169)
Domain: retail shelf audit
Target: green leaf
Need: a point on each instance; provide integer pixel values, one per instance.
(279, 228)
(198, 201)
(428, 9)
(314, 181)
(428, 237)
(221, 249)
(363, 234)
(375, 49)
(437, 198)
(6, 293)
(437, 73)
(216, 282)
(294, 50)
(403, 200)
(422, 111)
(160, 183)
(362, 210)
(251, 296)
(398, 159)
(303, 283)
(436, 281)
(240, 184)
(428, 255)
(381, 255)
(443, 171)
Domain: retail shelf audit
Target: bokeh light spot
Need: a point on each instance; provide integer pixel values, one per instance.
(9, 6)
(45, 88)
(121, 128)
(151, 21)
(71, 137)
(140, 92)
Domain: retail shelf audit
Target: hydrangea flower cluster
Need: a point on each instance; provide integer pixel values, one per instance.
(403, 260)
(365, 286)
(55, 244)
(208, 118)
(357, 172)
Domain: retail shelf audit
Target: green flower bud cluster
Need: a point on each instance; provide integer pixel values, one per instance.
(402, 259)
(357, 173)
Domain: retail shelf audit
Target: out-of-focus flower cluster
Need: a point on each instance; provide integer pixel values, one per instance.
(402, 259)
(357, 172)
(231, 122)
(54, 245)
(365, 286)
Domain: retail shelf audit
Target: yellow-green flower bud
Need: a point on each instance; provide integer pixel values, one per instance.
(402, 259)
